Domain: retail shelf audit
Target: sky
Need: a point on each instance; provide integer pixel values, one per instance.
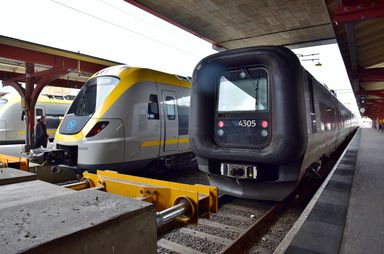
(118, 31)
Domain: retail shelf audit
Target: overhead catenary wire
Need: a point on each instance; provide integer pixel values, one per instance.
(124, 28)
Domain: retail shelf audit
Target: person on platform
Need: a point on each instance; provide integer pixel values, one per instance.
(41, 135)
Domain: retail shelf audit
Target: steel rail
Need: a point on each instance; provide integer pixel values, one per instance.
(255, 230)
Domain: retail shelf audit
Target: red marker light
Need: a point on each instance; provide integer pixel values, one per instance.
(220, 124)
(264, 124)
(97, 128)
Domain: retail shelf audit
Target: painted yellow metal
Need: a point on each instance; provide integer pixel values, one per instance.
(14, 162)
(162, 194)
(149, 143)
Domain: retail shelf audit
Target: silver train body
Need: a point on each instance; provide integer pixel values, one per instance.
(259, 121)
(12, 118)
(125, 118)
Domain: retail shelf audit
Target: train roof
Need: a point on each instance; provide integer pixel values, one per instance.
(15, 97)
(144, 74)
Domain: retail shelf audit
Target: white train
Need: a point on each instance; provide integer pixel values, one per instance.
(12, 117)
(125, 118)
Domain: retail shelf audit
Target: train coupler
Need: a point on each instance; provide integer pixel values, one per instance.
(183, 202)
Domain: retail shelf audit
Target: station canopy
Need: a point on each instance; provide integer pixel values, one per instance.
(356, 25)
(51, 66)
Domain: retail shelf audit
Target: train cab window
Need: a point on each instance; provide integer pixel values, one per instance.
(170, 107)
(92, 95)
(153, 107)
(245, 89)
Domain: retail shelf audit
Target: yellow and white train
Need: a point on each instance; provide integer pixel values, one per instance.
(125, 118)
(12, 117)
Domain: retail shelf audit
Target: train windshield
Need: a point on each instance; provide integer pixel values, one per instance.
(92, 95)
(243, 90)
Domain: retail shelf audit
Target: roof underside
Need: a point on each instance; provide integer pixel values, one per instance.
(292, 23)
(236, 24)
(59, 67)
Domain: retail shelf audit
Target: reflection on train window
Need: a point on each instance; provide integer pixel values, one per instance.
(153, 107)
(327, 117)
(92, 95)
(183, 114)
(245, 89)
(170, 106)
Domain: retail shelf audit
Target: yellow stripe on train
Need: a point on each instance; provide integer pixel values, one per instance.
(150, 143)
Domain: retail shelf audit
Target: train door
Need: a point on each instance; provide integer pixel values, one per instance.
(170, 131)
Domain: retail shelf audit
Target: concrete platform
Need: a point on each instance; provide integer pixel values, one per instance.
(346, 214)
(11, 175)
(38, 217)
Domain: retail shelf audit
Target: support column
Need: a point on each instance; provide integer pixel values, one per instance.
(34, 84)
(28, 106)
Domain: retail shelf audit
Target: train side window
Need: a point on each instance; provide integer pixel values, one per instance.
(52, 121)
(39, 112)
(153, 107)
(183, 104)
(170, 106)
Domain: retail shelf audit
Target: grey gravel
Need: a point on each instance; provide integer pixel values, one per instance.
(201, 245)
(276, 232)
(245, 214)
(165, 251)
(230, 221)
(215, 231)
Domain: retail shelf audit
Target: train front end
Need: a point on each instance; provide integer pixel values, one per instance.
(91, 133)
(247, 121)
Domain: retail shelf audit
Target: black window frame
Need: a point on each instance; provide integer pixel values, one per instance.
(153, 107)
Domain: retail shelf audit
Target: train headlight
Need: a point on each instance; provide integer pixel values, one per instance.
(264, 133)
(97, 128)
(220, 132)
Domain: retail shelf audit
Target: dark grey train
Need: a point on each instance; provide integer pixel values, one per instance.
(259, 120)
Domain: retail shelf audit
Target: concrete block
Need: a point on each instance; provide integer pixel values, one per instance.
(11, 175)
(66, 221)
(28, 192)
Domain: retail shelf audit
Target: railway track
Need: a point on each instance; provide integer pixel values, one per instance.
(230, 230)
